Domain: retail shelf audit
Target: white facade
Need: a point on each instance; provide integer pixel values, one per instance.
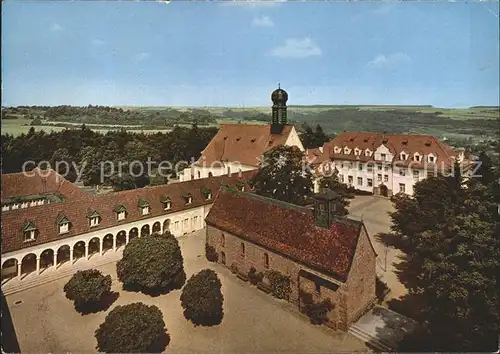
(179, 223)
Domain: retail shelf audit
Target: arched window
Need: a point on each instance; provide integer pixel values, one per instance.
(223, 240)
(210, 174)
(199, 174)
(223, 257)
(242, 248)
(266, 261)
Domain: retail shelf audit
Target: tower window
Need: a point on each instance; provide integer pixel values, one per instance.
(266, 261)
(242, 249)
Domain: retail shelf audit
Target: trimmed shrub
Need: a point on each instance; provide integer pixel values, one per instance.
(316, 311)
(202, 299)
(133, 328)
(279, 284)
(254, 277)
(211, 254)
(86, 288)
(234, 268)
(152, 263)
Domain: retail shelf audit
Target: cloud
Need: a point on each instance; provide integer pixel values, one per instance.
(142, 56)
(253, 3)
(297, 48)
(97, 41)
(55, 27)
(382, 60)
(263, 21)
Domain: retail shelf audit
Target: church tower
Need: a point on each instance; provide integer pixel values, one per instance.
(279, 119)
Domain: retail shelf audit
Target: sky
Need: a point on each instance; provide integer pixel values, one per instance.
(215, 53)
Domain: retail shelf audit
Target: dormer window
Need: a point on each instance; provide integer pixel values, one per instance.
(121, 212)
(383, 157)
(357, 151)
(403, 156)
(416, 157)
(431, 158)
(346, 151)
(143, 206)
(188, 198)
(367, 152)
(29, 231)
(63, 223)
(24, 205)
(167, 203)
(207, 193)
(15, 206)
(94, 218)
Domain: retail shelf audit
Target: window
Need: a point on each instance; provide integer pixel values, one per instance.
(386, 168)
(121, 215)
(242, 249)
(431, 158)
(145, 210)
(210, 174)
(416, 158)
(199, 174)
(15, 206)
(94, 221)
(29, 236)
(360, 166)
(223, 258)
(186, 223)
(379, 167)
(342, 165)
(25, 205)
(176, 225)
(5, 208)
(386, 178)
(350, 179)
(402, 188)
(402, 172)
(369, 167)
(63, 228)
(369, 182)
(416, 174)
(379, 177)
(189, 200)
(403, 156)
(223, 240)
(360, 181)
(341, 177)
(266, 261)
(318, 287)
(382, 157)
(167, 205)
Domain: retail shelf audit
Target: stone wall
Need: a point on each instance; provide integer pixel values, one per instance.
(362, 278)
(348, 300)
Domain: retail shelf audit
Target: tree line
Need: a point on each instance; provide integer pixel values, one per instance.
(83, 145)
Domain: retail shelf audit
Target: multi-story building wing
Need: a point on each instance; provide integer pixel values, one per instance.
(383, 164)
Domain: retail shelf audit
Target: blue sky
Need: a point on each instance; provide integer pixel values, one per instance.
(234, 54)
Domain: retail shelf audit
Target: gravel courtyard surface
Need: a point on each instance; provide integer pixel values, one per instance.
(253, 322)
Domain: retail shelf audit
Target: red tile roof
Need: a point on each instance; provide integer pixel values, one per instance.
(38, 182)
(244, 143)
(44, 217)
(288, 230)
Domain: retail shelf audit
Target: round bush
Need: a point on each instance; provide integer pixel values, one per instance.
(202, 298)
(87, 287)
(151, 262)
(133, 328)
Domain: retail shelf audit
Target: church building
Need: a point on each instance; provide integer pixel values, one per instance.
(239, 147)
(326, 257)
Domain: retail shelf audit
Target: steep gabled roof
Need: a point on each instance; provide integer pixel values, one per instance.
(244, 143)
(287, 229)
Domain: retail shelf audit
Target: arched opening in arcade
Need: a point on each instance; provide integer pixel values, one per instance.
(79, 250)
(133, 234)
(166, 226)
(94, 246)
(121, 238)
(9, 269)
(46, 259)
(384, 191)
(28, 264)
(107, 243)
(157, 227)
(145, 230)
(63, 254)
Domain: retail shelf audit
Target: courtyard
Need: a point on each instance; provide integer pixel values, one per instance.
(45, 321)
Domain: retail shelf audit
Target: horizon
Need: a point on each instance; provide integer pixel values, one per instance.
(147, 54)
